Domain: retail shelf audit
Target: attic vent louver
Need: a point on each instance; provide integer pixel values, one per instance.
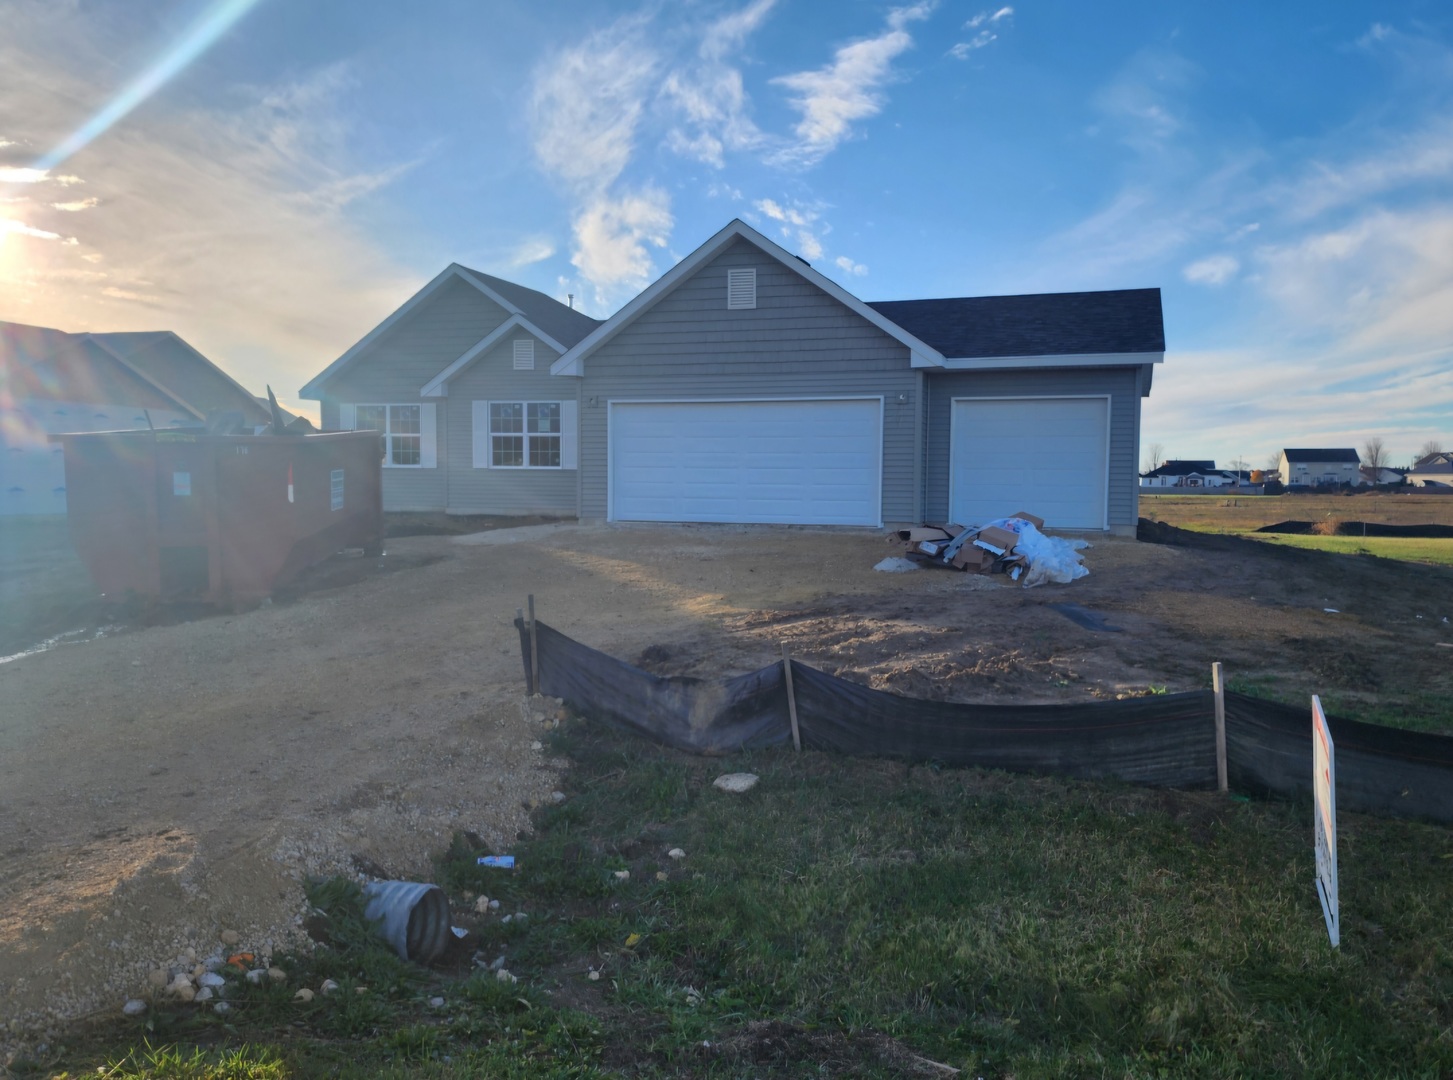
(741, 289)
(524, 354)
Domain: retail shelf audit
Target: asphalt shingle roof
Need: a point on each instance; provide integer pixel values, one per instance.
(1038, 324)
(1183, 468)
(1339, 454)
(563, 323)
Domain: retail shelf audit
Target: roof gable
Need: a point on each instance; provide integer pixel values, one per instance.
(1036, 324)
(1183, 468)
(39, 362)
(438, 386)
(183, 371)
(571, 363)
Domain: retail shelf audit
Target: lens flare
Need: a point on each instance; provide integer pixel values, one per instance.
(211, 24)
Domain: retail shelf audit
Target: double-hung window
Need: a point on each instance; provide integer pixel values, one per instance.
(524, 435)
(400, 427)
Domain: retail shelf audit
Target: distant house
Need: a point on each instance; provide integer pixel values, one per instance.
(1191, 474)
(1382, 476)
(1322, 467)
(1432, 471)
(745, 386)
(52, 382)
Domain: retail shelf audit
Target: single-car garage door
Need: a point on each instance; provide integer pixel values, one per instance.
(1046, 456)
(813, 462)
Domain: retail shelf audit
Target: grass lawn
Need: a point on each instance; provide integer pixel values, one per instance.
(1408, 549)
(1244, 513)
(870, 919)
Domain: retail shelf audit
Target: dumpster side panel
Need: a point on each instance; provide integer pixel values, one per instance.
(111, 491)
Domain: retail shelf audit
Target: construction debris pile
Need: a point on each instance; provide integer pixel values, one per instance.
(1013, 545)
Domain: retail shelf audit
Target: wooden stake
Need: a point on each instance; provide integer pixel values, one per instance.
(1218, 685)
(791, 699)
(534, 650)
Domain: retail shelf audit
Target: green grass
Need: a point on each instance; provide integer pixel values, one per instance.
(848, 916)
(1436, 552)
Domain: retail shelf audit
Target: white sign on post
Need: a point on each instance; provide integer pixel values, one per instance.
(1324, 796)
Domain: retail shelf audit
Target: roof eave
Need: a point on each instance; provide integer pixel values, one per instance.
(1120, 359)
(438, 386)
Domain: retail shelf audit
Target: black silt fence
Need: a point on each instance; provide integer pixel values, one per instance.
(1162, 741)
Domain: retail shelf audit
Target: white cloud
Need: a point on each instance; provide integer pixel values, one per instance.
(847, 266)
(709, 95)
(233, 215)
(984, 23)
(19, 228)
(1212, 270)
(586, 105)
(1419, 156)
(832, 99)
(18, 174)
(611, 238)
(1143, 102)
(75, 206)
(535, 249)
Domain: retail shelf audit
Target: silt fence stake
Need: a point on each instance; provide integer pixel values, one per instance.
(1218, 686)
(791, 698)
(534, 650)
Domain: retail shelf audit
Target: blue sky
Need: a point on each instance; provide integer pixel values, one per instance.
(1283, 172)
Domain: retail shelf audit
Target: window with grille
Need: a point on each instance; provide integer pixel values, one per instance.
(524, 434)
(400, 428)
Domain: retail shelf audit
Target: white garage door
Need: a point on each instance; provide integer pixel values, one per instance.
(773, 462)
(1046, 456)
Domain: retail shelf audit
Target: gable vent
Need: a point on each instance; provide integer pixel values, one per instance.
(741, 288)
(524, 354)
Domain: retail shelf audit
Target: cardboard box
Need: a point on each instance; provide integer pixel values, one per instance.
(972, 559)
(1038, 523)
(928, 547)
(999, 541)
(923, 532)
(953, 530)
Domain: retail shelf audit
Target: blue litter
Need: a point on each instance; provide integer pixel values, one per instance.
(504, 862)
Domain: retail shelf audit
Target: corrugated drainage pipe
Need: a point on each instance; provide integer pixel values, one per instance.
(412, 917)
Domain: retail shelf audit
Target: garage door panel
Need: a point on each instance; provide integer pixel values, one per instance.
(798, 462)
(1043, 455)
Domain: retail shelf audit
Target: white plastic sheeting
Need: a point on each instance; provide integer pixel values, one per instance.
(1051, 558)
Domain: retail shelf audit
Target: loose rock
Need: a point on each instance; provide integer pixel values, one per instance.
(230, 937)
(557, 797)
(328, 987)
(623, 875)
(436, 1003)
(303, 996)
(204, 994)
(736, 782)
(676, 853)
(482, 904)
(594, 976)
(134, 1007)
(221, 1007)
(212, 979)
(158, 978)
(277, 974)
(504, 976)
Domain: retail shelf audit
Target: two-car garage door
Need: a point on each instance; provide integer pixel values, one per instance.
(815, 462)
(1047, 456)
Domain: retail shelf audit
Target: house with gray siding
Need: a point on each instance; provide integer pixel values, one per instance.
(745, 386)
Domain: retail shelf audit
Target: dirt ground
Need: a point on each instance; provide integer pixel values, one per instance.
(161, 784)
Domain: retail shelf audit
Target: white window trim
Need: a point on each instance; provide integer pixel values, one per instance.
(526, 435)
(388, 462)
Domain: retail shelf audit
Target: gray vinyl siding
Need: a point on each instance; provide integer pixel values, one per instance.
(797, 342)
(492, 377)
(399, 363)
(1121, 383)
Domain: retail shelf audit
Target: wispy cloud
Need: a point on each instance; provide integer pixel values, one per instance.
(800, 226)
(19, 228)
(25, 174)
(847, 266)
(986, 26)
(708, 94)
(533, 250)
(1144, 103)
(833, 98)
(222, 226)
(1212, 270)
